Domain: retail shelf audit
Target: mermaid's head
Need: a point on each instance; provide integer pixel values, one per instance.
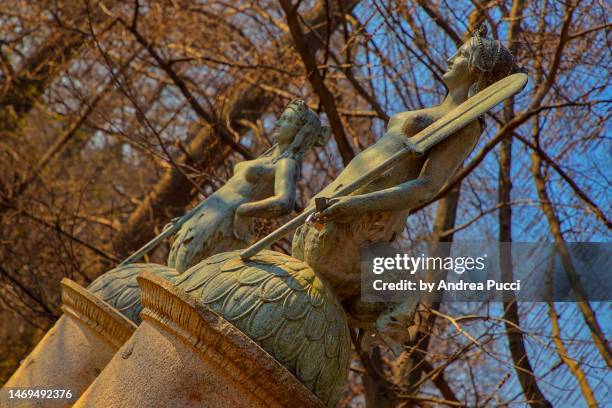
(479, 62)
(298, 129)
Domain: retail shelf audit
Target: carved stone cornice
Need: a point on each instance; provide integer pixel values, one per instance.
(78, 302)
(220, 343)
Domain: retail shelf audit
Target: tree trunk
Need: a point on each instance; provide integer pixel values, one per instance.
(516, 342)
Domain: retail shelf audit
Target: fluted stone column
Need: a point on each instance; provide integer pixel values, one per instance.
(75, 350)
(186, 355)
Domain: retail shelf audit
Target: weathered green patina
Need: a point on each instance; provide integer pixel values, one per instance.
(119, 287)
(281, 304)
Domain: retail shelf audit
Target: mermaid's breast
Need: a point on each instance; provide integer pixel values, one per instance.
(258, 172)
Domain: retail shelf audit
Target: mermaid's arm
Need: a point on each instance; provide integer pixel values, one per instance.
(283, 200)
(440, 165)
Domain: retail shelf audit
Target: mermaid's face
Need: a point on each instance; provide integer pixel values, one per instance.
(458, 72)
(286, 127)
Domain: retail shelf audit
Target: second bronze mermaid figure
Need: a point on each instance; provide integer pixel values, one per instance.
(263, 187)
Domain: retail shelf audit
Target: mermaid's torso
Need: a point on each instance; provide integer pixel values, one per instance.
(211, 228)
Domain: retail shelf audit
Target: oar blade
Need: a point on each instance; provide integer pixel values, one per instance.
(468, 111)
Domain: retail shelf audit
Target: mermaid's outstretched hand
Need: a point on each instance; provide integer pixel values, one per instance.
(341, 209)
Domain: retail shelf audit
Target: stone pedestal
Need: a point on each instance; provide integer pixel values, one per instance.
(185, 355)
(74, 351)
